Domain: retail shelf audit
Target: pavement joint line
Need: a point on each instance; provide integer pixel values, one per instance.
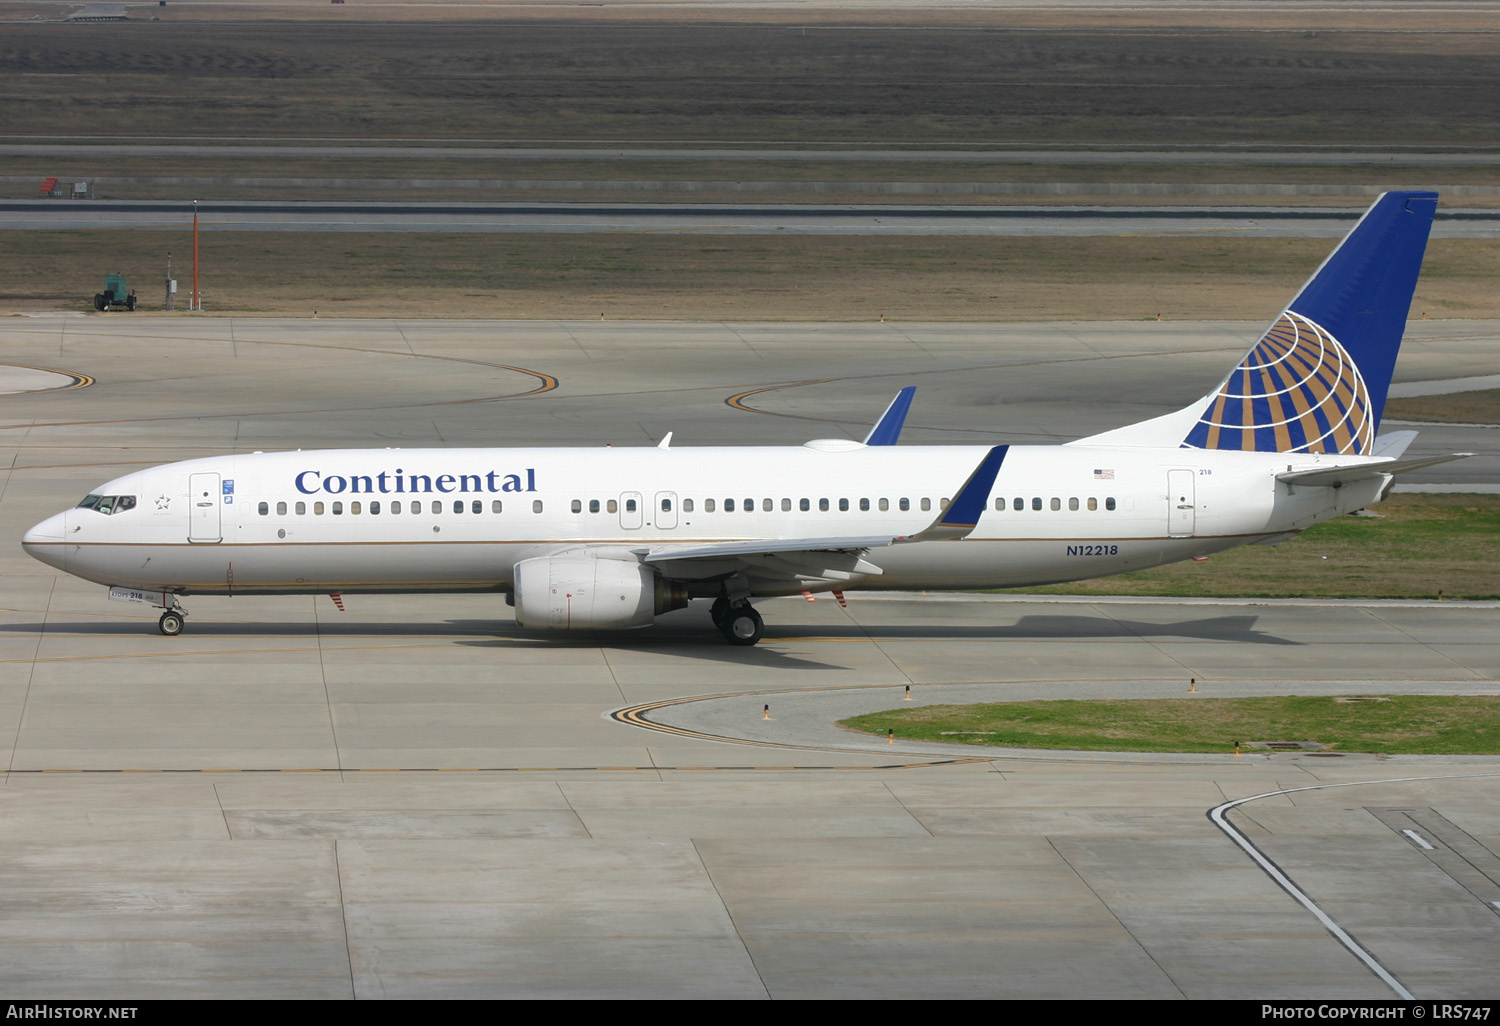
(1218, 815)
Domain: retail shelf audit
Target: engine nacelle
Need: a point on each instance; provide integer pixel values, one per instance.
(589, 594)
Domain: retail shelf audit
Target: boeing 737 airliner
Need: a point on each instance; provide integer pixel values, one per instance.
(609, 538)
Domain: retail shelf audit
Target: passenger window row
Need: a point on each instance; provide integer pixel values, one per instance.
(119, 503)
(374, 507)
(729, 505)
(1054, 503)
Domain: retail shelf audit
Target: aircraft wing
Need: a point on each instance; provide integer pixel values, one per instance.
(888, 428)
(1337, 477)
(832, 558)
(824, 559)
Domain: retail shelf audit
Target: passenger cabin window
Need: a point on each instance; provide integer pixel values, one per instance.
(1019, 504)
(708, 505)
(1036, 503)
(338, 509)
(281, 509)
(767, 505)
(904, 504)
(375, 507)
(1056, 504)
(864, 505)
(354, 508)
(577, 506)
(1109, 503)
(536, 506)
(926, 505)
(687, 505)
(822, 505)
(264, 509)
(1093, 503)
(301, 509)
(804, 505)
(593, 505)
(885, 505)
(317, 509)
(495, 506)
(1073, 503)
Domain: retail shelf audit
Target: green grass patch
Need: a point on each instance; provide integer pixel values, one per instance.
(1418, 546)
(1397, 725)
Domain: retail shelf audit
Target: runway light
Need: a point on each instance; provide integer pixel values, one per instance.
(908, 694)
(890, 737)
(1193, 684)
(767, 716)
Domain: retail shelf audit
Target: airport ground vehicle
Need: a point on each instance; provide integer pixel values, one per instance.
(116, 293)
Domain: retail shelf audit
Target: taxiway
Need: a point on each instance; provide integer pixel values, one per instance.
(414, 799)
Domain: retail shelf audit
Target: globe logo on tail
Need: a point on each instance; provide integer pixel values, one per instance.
(1298, 390)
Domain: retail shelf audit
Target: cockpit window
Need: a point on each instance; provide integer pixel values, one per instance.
(108, 504)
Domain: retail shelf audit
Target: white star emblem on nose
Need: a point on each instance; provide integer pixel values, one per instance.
(162, 501)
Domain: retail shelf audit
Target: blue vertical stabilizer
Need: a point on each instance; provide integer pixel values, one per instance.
(1317, 380)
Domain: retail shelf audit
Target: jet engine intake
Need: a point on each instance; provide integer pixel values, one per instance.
(591, 594)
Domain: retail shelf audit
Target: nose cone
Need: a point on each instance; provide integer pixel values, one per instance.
(45, 541)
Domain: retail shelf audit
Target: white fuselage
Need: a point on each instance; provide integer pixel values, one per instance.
(450, 520)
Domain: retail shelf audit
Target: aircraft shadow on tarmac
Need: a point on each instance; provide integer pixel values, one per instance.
(690, 638)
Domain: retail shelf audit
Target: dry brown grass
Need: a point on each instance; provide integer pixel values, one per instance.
(1481, 407)
(647, 275)
(685, 76)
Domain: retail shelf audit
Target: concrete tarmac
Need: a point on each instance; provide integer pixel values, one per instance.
(412, 798)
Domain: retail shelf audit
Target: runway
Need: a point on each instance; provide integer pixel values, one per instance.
(412, 798)
(629, 150)
(713, 218)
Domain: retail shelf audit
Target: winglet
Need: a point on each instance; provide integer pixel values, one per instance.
(888, 428)
(962, 514)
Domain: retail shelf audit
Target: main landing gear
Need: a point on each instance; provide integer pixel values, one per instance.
(737, 621)
(172, 621)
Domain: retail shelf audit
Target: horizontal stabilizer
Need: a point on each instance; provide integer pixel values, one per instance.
(1337, 477)
(1393, 443)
